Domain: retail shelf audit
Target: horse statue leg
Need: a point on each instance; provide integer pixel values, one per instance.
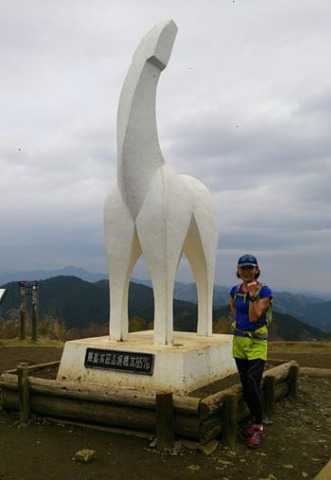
(200, 249)
(123, 251)
(162, 226)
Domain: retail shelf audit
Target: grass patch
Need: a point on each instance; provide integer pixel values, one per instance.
(41, 342)
(299, 347)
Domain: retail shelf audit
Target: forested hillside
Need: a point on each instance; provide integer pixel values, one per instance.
(80, 304)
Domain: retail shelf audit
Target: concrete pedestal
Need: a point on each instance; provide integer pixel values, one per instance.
(190, 363)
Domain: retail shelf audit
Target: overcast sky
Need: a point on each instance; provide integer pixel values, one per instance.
(244, 105)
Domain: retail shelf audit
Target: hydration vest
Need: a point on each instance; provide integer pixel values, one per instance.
(261, 332)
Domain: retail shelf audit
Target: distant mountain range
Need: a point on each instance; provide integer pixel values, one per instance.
(183, 290)
(7, 277)
(81, 303)
(307, 308)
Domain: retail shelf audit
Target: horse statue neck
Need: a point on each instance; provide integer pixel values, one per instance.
(139, 153)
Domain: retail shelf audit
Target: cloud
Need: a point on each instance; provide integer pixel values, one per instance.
(244, 106)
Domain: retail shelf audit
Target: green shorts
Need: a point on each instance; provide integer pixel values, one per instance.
(249, 348)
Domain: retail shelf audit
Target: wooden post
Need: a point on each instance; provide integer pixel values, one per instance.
(35, 301)
(269, 394)
(230, 420)
(24, 394)
(293, 381)
(165, 425)
(23, 310)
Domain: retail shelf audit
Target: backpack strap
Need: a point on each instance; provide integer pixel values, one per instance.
(268, 313)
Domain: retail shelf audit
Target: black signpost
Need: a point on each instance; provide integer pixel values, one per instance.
(29, 288)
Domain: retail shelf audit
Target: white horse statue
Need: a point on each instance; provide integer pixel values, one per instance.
(152, 210)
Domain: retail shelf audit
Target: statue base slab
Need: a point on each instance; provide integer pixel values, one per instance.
(191, 362)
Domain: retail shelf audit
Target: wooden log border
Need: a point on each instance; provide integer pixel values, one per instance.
(165, 415)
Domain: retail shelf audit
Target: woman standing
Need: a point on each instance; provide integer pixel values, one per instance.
(250, 304)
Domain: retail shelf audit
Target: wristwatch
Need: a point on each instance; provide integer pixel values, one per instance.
(252, 298)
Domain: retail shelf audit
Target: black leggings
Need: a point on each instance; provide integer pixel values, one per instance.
(250, 372)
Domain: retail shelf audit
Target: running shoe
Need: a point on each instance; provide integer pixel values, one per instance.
(255, 439)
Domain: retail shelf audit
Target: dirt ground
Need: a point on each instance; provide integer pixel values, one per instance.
(296, 445)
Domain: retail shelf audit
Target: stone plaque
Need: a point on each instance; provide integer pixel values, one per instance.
(131, 362)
